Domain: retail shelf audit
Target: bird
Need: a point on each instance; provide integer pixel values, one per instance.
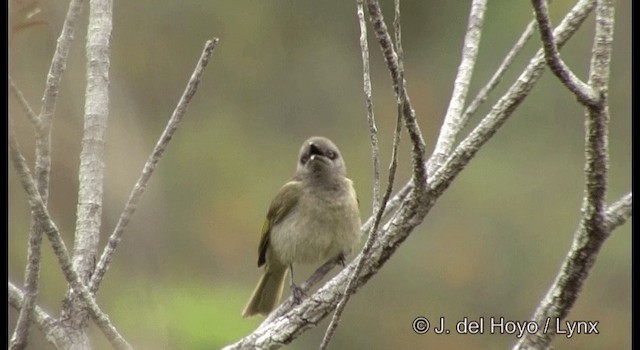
(314, 217)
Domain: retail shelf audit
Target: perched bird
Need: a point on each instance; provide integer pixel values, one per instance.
(313, 218)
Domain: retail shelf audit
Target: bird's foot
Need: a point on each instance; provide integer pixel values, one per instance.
(297, 293)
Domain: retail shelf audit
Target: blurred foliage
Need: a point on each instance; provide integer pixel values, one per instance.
(286, 70)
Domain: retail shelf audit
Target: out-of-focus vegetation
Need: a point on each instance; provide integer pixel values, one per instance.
(286, 70)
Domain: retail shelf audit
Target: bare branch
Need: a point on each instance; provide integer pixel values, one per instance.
(59, 62)
(597, 124)
(290, 302)
(92, 155)
(602, 44)
(596, 223)
(393, 205)
(282, 329)
(44, 322)
(373, 130)
(574, 271)
(453, 121)
(31, 276)
(92, 164)
(149, 167)
(41, 216)
(43, 167)
(399, 86)
(618, 212)
(483, 94)
(50, 97)
(510, 100)
(26, 107)
(350, 289)
(583, 92)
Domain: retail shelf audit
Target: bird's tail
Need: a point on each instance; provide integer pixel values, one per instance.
(267, 293)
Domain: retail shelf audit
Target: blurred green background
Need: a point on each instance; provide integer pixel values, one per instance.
(283, 71)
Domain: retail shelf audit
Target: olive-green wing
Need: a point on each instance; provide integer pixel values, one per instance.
(281, 205)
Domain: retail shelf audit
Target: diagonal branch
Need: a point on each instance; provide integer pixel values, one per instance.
(43, 167)
(574, 271)
(41, 215)
(134, 198)
(618, 212)
(480, 98)
(510, 100)
(290, 302)
(453, 121)
(31, 276)
(583, 92)
(44, 322)
(59, 62)
(50, 97)
(26, 107)
(483, 94)
(399, 86)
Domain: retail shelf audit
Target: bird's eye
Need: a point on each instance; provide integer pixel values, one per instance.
(332, 155)
(304, 159)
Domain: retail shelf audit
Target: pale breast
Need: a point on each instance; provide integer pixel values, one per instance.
(319, 228)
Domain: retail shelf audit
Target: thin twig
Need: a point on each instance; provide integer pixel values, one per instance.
(50, 97)
(43, 321)
(393, 204)
(31, 276)
(371, 120)
(453, 122)
(483, 94)
(399, 86)
(400, 102)
(43, 168)
(502, 109)
(41, 215)
(350, 289)
(134, 198)
(26, 107)
(59, 62)
(583, 92)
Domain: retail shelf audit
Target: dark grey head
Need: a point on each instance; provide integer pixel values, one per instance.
(321, 157)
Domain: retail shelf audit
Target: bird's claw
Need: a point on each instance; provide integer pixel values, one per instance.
(297, 293)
